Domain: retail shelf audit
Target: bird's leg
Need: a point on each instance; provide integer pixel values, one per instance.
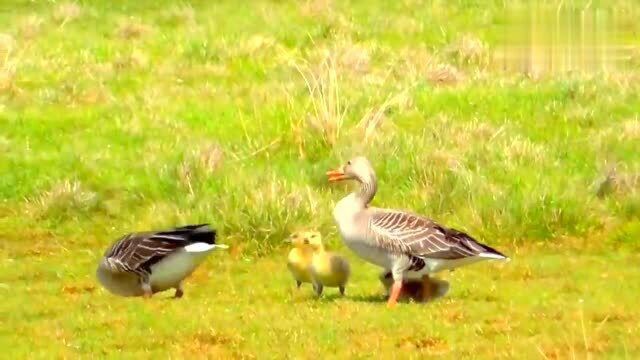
(342, 289)
(383, 279)
(427, 287)
(318, 288)
(298, 283)
(179, 291)
(395, 293)
(146, 288)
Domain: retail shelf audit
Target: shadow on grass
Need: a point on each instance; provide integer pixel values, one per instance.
(332, 297)
(375, 298)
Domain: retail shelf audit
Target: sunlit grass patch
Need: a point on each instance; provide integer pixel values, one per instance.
(184, 15)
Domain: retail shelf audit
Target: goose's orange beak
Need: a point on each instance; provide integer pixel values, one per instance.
(336, 175)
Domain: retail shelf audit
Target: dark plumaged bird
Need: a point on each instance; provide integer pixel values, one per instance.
(144, 263)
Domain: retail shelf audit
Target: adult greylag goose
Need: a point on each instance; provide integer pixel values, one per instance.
(144, 263)
(403, 243)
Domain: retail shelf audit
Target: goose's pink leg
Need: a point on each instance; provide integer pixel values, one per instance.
(395, 293)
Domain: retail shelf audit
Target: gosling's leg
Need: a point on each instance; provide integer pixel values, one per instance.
(342, 289)
(146, 288)
(385, 279)
(298, 283)
(427, 288)
(179, 291)
(318, 288)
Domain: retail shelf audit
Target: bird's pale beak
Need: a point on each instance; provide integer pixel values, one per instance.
(336, 175)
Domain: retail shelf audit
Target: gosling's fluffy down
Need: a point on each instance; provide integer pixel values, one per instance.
(328, 269)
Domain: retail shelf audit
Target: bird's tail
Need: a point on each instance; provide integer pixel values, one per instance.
(475, 246)
(200, 233)
(491, 253)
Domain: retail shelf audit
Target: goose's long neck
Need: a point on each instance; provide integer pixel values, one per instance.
(368, 189)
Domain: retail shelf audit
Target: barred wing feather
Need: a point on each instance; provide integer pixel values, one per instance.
(411, 234)
(136, 253)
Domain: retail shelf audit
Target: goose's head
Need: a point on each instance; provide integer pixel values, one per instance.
(358, 168)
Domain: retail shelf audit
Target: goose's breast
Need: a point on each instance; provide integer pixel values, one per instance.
(123, 284)
(371, 253)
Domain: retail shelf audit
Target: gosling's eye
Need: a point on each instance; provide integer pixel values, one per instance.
(314, 236)
(349, 162)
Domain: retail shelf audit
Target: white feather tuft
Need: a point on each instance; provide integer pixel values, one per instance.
(487, 255)
(199, 247)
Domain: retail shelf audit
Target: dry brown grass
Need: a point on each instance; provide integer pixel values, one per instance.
(257, 45)
(618, 179)
(342, 66)
(327, 113)
(419, 64)
(180, 15)
(211, 344)
(132, 28)
(574, 346)
(376, 117)
(444, 74)
(30, 26)
(523, 149)
(7, 46)
(133, 60)
(202, 162)
(470, 50)
(7, 63)
(631, 129)
(427, 344)
(66, 12)
(316, 8)
(415, 60)
(354, 58)
(69, 195)
(94, 95)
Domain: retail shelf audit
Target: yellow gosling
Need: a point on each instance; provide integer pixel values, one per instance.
(299, 259)
(327, 268)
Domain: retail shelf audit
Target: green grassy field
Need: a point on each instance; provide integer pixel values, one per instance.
(122, 116)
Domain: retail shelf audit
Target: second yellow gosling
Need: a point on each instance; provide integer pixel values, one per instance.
(327, 268)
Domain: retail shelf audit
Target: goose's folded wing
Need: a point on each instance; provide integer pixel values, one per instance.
(136, 253)
(411, 234)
